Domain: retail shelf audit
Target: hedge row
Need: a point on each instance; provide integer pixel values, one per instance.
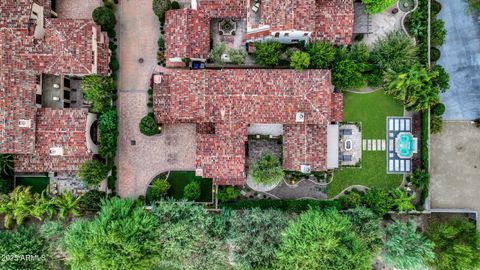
(285, 205)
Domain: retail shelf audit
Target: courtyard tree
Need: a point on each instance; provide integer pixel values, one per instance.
(104, 17)
(268, 54)
(99, 91)
(395, 51)
(329, 236)
(457, 244)
(255, 235)
(377, 6)
(267, 170)
(299, 60)
(92, 172)
(322, 54)
(122, 236)
(416, 88)
(405, 249)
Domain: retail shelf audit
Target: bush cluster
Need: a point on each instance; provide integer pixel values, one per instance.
(192, 191)
(92, 172)
(267, 170)
(148, 126)
(285, 205)
(108, 126)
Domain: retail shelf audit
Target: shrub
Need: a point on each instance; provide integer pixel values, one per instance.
(299, 60)
(420, 179)
(442, 79)
(256, 234)
(108, 126)
(216, 53)
(22, 243)
(395, 51)
(192, 191)
(104, 17)
(377, 6)
(322, 54)
(348, 74)
(268, 54)
(236, 56)
(436, 7)
(148, 126)
(367, 225)
(405, 249)
(92, 172)
(161, 43)
(437, 32)
(473, 5)
(375, 78)
(267, 170)
(114, 65)
(228, 194)
(436, 124)
(91, 200)
(438, 109)
(353, 199)
(122, 236)
(378, 200)
(402, 201)
(160, 7)
(325, 234)
(158, 188)
(285, 205)
(434, 54)
(359, 53)
(99, 91)
(175, 5)
(457, 244)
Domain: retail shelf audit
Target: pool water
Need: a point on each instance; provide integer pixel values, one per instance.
(405, 145)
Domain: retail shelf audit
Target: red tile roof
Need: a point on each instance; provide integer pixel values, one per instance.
(223, 8)
(224, 102)
(67, 48)
(288, 14)
(57, 128)
(334, 21)
(187, 35)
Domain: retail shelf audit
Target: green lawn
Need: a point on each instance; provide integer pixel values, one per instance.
(371, 110)
(37, 184)
(179, 179)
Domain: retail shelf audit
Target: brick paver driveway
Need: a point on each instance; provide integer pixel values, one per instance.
(137, 32)
(455, 167)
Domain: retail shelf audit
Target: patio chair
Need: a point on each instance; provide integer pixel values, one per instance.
(347, 131)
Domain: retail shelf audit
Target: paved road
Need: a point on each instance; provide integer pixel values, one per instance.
(461, 59)
(138, 31)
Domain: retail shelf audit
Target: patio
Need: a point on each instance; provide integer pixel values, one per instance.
(233, 39)
(350, 145)
(383, 23)
(60, 92)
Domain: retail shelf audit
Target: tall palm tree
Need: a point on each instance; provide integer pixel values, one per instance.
(67, 205)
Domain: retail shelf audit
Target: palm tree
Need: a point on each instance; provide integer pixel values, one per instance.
(67, 205)
(6, 163)
(402, 200)
(16, 206)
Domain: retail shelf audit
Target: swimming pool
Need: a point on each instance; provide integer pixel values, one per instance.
(405, 145)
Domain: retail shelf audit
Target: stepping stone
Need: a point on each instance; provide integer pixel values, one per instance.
(383, 145)
(369, 145)
(364, 144)
(374, 145)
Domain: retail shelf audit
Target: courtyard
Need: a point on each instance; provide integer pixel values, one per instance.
(455, 167)
(371, 110)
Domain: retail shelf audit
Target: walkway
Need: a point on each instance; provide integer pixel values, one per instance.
(461, 59)
(373, 145)
(384, 23)
(305, 189)
(137, 32)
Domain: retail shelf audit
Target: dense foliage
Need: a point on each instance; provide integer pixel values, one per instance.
(299, 60)
(22, 249)
(192, 191)
(268, 54)
(108, 126)
(216, 53)
(255, 235)
(322, 54)
(148, 126)
(396, 52)
(330, 236)
(92, 172)
(402, 201)
(158, 188)
(457, 244)
(99, 91)
(91, 200)
(377, 6)
(367, 225)
(160, 7)
(236, 56)
(122, 236)
(267, 170)
(104, 17)
(286, 205)
(349, 67)
(226, 194)
(378, 200)
(420, 179)
(6, 163)
(405, 249)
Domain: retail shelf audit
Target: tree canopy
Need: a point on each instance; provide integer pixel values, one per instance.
(267, 170)
(99, 91)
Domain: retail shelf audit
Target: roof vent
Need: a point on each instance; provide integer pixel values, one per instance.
(24, 123)
(305, 169)
(56, 151)
(299, 117)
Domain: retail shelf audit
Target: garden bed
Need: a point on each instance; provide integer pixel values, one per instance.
(179, 179)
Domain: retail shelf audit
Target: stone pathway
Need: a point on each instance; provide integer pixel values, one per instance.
(140, 158)
(384, 23)
(302, 190)
(373, 145)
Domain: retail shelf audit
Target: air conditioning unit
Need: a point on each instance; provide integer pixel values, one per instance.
(24, 123)
(56, 85)
(299, 117)
(56, 151)
(305, 169)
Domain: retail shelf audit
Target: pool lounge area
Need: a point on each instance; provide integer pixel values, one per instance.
(401, 145)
